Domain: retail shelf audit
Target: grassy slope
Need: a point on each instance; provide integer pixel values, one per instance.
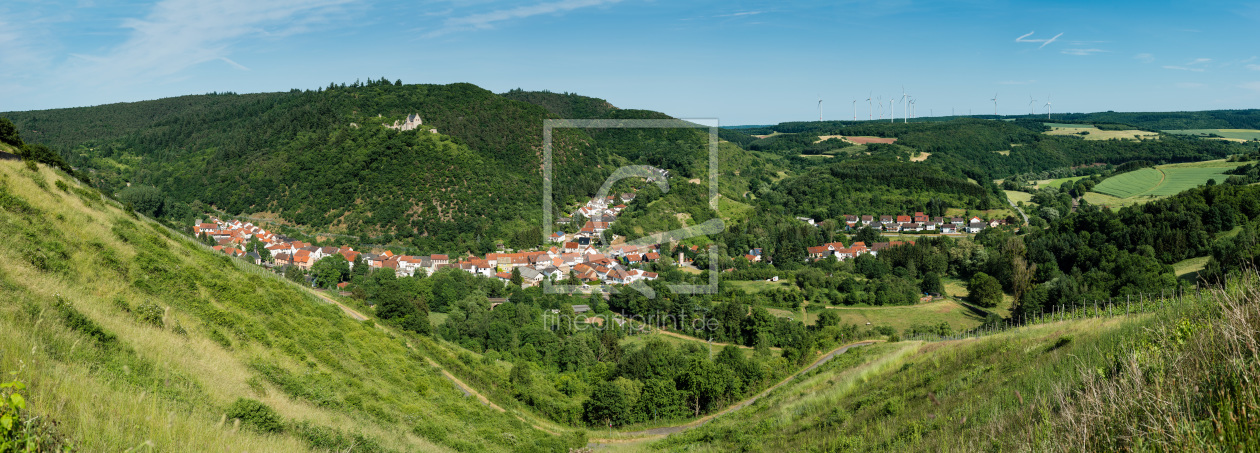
(248, 334)
(1043, 388)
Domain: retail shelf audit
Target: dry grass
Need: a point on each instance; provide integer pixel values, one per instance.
(169, 390)
(1098, 134)
(1192, 386)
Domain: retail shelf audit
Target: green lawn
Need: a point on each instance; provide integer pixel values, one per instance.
(732, 210)
(1016, 196)
(1057, 182)
(1189, 269)
(756, 286)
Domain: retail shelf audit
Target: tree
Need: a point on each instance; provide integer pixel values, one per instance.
(985, 290)
(607, 404)
(517, 280)
(147, 200)
(931, 283)
(826, 319)
(330, 270)
(867, 235)
(9, 133)
(295, 274)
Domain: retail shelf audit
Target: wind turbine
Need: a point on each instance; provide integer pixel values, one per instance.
(892, 116)
(1047, 106)
(819, 108)
(1031, 103)
(880, 101)
(911, 107)
(855, 110)
(905, 109)
(994, 104)
(870, 111)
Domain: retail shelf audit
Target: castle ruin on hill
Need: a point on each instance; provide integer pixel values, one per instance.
(413, 122)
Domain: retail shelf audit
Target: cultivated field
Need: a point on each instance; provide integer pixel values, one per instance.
(1237, 135)
(1163, 180)
(1131, 184)
(1098, 134)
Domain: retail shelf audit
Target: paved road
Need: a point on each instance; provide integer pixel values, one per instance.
(1017, 209)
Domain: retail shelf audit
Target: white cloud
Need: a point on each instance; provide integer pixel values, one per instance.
(1253, 86)
(1082, 51)
(1044, 42)
(742, 13)
(487, 20)
(1194, 65)
(1144, 57)
(179, 34)
(233, 63)
(1254, 67)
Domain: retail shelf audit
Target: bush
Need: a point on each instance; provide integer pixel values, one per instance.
(256, 415)
(150, 313)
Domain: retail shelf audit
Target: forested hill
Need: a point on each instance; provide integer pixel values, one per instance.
(985, 149)
(322, 158)
(564, 105)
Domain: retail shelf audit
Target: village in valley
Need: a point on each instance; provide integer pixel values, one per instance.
(579, 255)
(582, 255)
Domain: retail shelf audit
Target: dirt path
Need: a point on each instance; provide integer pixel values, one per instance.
(667, 430)
(349, 311)
(467, 389)
(691, 338)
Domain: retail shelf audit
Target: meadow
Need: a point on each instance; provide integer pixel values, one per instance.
(1057, 182)
(1226, 134)
(1094, 133)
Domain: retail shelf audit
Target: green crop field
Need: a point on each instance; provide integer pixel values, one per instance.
(1131, 184)
(1164, 180)
(1230, 134)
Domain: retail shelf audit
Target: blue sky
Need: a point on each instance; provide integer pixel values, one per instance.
(743, 62)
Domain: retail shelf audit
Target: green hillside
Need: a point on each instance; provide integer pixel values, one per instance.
(323, 159)
(1179, 379)
(127, 336)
